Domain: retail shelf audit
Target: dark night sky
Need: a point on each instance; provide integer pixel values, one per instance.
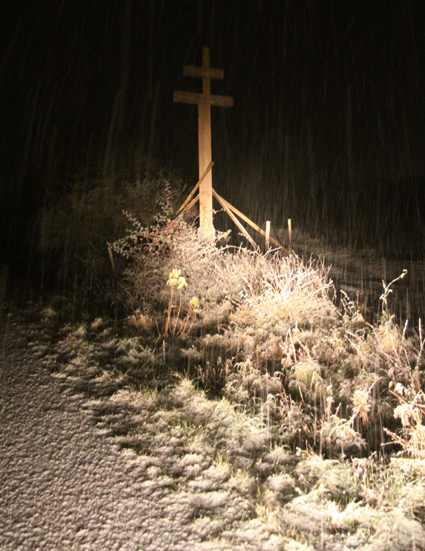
(328, 96)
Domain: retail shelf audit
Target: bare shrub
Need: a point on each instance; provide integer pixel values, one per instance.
(74, 227)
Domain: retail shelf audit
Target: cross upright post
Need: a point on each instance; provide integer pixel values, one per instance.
(204, 101)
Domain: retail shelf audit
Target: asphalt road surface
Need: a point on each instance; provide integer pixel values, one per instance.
(65, 486)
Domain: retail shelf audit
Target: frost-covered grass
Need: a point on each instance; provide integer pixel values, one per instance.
(312, 414)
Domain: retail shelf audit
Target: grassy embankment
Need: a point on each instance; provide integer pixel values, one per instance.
(314, 414)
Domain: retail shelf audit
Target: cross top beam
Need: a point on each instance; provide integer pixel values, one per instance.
(204, 101)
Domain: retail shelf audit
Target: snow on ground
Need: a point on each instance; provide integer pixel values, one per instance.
(64, 485)
(88, 463)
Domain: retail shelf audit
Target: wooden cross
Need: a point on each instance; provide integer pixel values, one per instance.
(204, 101)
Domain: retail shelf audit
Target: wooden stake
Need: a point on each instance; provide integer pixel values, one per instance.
(267, 235)
(290, 234)
(204, 101)
(111, 258)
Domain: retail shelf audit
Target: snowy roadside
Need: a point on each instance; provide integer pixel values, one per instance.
(66, 486)
(97, 451)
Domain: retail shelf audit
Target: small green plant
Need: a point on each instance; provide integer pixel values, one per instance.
(176, 280)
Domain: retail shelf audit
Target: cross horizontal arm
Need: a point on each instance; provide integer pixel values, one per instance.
(192, 97)
(201, 72)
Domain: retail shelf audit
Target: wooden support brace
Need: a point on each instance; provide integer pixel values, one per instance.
(189, 197)
(189, 206)
(224, 204)
(252, 224)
